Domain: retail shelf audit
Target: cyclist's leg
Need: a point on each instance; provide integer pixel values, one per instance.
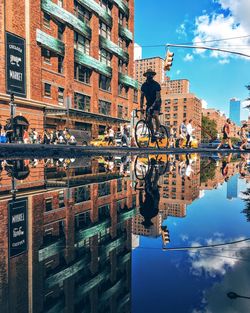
(157, 121)
(149, 120)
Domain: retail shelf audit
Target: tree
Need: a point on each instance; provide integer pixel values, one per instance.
(246, 211)
(248, 99)
(209, 129)
(208, 170)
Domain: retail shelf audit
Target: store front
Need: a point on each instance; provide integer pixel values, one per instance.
(20, 124)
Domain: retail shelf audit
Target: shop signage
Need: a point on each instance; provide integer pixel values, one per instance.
(17, 227)
(15, 65)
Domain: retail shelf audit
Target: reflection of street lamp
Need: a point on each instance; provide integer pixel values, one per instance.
(232, 295)
(13, 190)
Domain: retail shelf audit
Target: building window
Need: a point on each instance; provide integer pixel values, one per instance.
(104, 107)
(83, 14)
(82, 102)
(82, 194)
(46, 20)
(105, 83)
(60, 32)
(47, 90)
(60, 96)
(82, 73)
(61, 199)
(125, 112)
(175, 108)
(106, 5)
(103, 212)
(135, 96)
(82, 220)
(46, 54)
(121, 17)
(123, 90)
(175, 101)
(122, 67)
(104, 189)
(105, 57)
(48, 205)
(119, 185)
(104, 30)
(81, 43)
(120, 111)
(60, 64)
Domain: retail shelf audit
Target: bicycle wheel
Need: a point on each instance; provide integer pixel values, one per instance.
(163, 164)
(141, 166)
(162, 141)
(142, 134)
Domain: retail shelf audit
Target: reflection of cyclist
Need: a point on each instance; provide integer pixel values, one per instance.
(149, 208)
(151, 90)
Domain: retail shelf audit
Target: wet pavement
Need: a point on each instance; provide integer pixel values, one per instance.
(125, 233)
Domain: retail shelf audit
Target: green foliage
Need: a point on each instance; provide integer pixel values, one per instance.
(208, 170)
(246, 211)
(209, 127)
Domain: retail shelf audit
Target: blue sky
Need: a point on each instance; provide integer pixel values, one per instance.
(213, 77)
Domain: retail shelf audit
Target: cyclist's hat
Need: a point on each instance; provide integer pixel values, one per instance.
(149, 71)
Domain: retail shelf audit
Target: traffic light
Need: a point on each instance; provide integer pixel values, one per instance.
(168, 60)
(165, 235)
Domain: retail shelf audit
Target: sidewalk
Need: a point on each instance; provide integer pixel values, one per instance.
(11, 151)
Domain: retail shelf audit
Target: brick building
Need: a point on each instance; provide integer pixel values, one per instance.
(79, 230)
(179, 86)
(155, 63)
(177, 107)
(78, 63)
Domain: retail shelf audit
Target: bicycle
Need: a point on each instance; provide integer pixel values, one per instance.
(144, 136)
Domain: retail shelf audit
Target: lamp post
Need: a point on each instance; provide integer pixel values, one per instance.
(12, 110)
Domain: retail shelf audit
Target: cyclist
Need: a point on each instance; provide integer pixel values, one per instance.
(151, 90)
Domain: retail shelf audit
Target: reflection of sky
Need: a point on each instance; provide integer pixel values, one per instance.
(198, 280)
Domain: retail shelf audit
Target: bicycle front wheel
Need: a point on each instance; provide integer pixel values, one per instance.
(142, 134)
(162, 141)
(141, 167)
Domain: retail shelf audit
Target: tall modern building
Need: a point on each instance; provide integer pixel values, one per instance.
(232, 187)
(235, 110)
(68, 63)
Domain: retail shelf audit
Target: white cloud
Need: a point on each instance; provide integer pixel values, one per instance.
(178, 72)
(181, 30)
(224, 61)
(223, 25)
(204, 104)
(188, 57)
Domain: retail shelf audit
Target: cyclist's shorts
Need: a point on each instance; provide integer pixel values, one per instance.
(157, 107)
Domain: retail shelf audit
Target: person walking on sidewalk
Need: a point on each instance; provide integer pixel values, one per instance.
(190, 130)
(151, 90)
(243, 136)
(226, 135)
(111, 136)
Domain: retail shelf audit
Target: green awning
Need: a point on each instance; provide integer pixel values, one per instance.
(92, 63)
(96, 8)
(91, 231)
(127, 215)
(113, 48)
(65, 17)
(122, 6)
(125, 33)
(128, 81)
(50, 42)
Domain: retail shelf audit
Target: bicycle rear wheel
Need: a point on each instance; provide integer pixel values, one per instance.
(162, 141)
(142, 134)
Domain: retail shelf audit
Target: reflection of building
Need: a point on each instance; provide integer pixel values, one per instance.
(79, 59)
(153, 231)
(179, 107)
(155, 63)
(178, 191)
(235, 111)
(79, 244)
(232, 187)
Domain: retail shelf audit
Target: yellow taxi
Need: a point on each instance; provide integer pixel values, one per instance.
(100, 141)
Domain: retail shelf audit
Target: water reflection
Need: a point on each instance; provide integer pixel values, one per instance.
(69, 226)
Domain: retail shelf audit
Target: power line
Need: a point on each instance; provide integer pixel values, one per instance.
(216, 40)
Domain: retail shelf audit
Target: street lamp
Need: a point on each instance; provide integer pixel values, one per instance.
(12, 110)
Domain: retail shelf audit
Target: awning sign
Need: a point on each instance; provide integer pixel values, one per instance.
(15, 65)
(17, 227)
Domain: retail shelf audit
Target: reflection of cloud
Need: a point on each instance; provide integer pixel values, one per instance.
(215, 261)
(184, 237)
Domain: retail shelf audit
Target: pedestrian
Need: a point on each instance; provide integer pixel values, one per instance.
(151, 90)
(46, 137)
(111, 135)
(183, 133)
(226, 135)
(72, 140)
(9, 131)
(243, 136)
(35, 136)
(125, 135)
(190, 130)
(26, 136)
(171, 137)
